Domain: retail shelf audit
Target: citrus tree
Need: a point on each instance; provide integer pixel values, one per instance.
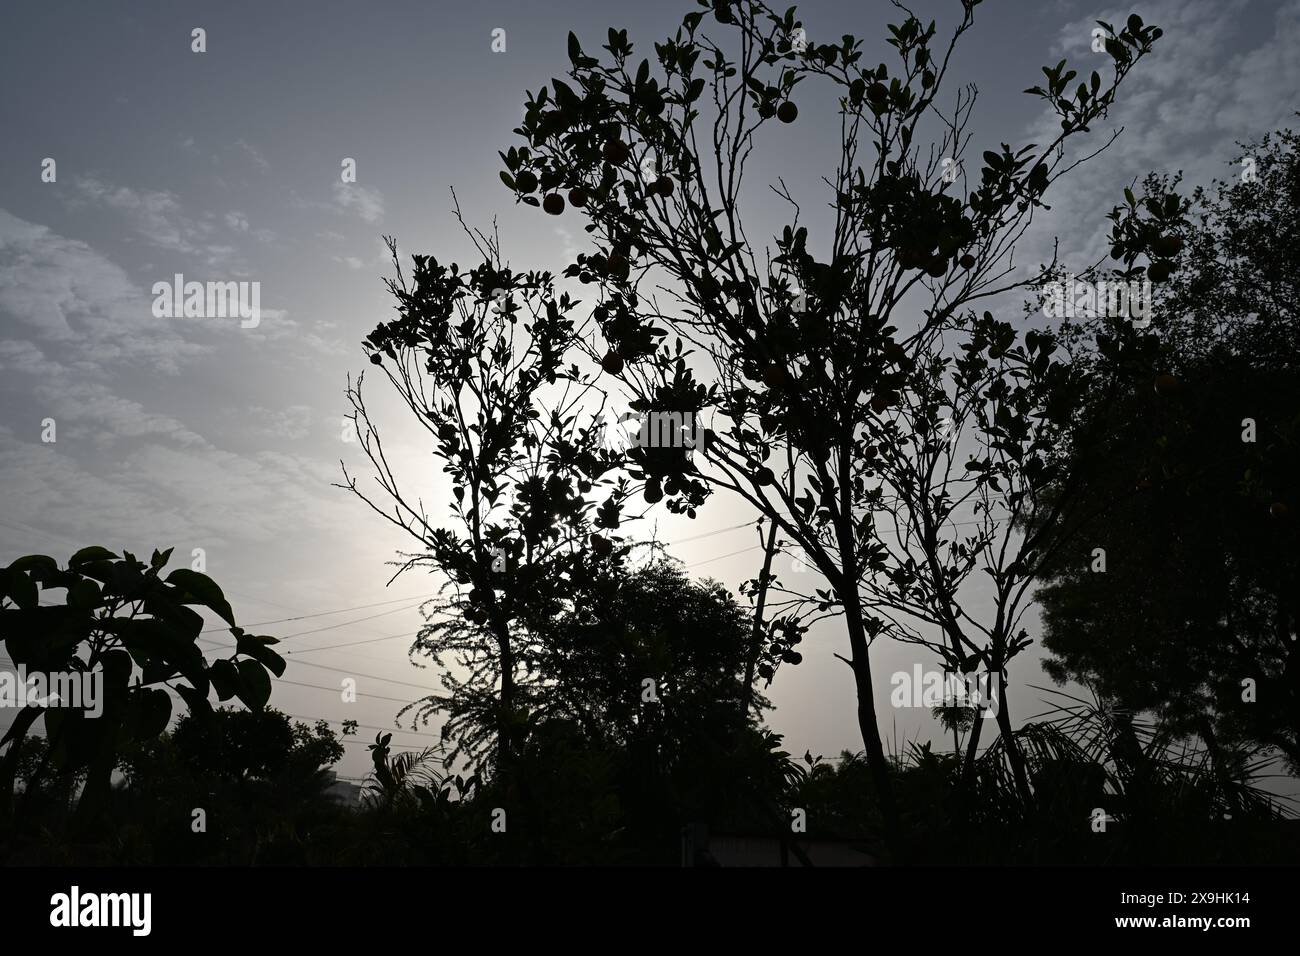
(797, 358)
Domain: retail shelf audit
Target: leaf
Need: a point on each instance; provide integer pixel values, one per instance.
(41, 563)
(84, 594)
(255, 688)
(225, 679)
(155, 712)
(197, 702)
(256, 648)
(92, 553)
(19, 588)
(198, 588)
(575, 49)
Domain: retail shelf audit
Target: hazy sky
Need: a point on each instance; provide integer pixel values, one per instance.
(225, 165)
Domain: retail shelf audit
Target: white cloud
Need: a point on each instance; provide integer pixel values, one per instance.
(365, 202)
(61, 294)
(254, 155)
(156, 215)
(290, 423)
(1181, 108)
(97, 414)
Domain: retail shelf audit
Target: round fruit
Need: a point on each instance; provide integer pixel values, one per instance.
(376, 358)
(663, 186)
(447, 432)
(653, 492)
(616, 152)
(765, 476)
(1279, 509)
(577, 197)
(879, 403)
(618, 267)
(1168, 246)
(1160, 271)
(1167, 384)
(601, 545)
(967, 261)
(774, 376)
(552, 121)
(787, 112)
(526, 181)
(612, 362)
(553, 203)
(937, 267)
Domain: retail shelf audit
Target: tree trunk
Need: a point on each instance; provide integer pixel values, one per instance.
(95, 792)
(876, 761)
(755, 646)
(17, 734)
(972, 752)
(1014, 754)
(505, 704)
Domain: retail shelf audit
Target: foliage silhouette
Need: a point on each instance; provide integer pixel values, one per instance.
(482, 359)
(1190, 473)
(123, 624)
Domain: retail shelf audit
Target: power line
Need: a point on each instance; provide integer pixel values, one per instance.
(332, 690)
(330, 647)
(335, 690)
(330, 627)
(303, 617)
(710, 534)
(732, 554)
(352, 673)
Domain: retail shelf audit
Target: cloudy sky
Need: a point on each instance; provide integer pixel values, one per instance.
(225, 166)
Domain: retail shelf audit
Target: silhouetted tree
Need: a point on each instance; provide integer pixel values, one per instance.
(798, 363)
(483, 361)
(1181, 597)
(242, 744)
(123, 624)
